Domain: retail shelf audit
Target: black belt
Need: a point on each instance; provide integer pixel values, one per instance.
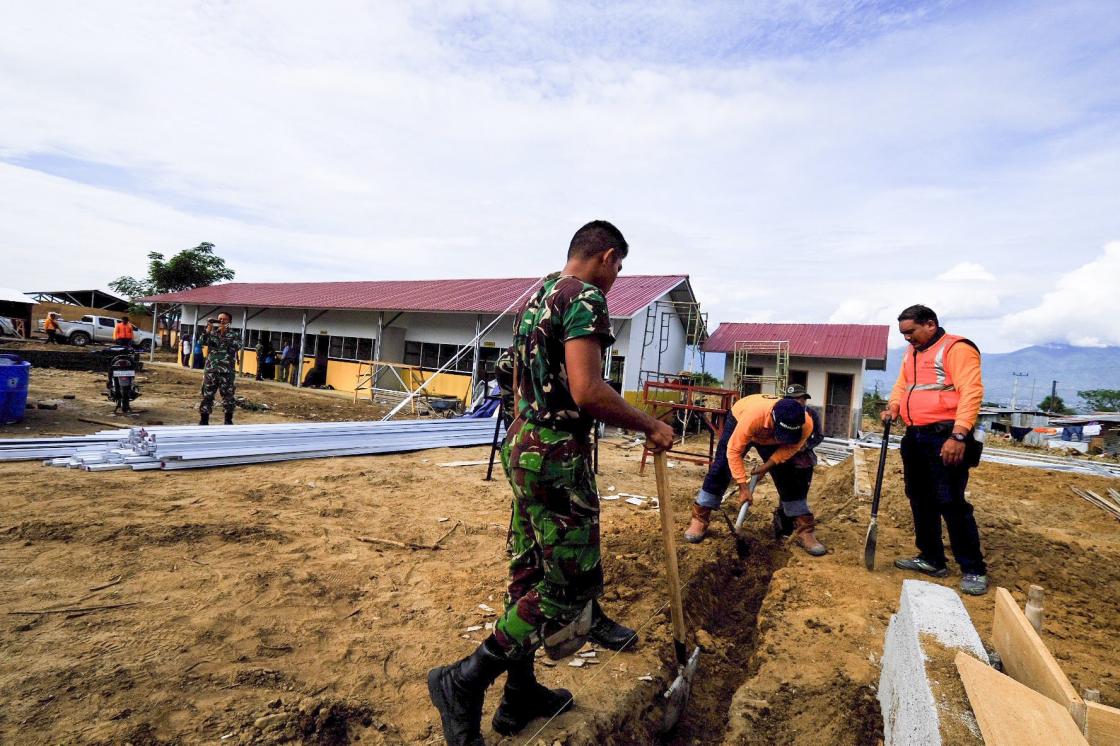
(945, 427)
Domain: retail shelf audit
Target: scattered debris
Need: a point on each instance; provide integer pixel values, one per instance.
(577, 662)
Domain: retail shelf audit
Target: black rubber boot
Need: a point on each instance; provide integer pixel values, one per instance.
(524, 699)
(458, 691)
(229, 418)
(204, 418)
(608, 633)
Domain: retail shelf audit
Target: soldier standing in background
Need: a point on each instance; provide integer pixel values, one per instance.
(222, 345)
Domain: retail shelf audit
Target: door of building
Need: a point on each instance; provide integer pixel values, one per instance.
(838, 405)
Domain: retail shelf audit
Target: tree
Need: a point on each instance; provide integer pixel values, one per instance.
(1101, 400)
(1054, 404)
(191, 268)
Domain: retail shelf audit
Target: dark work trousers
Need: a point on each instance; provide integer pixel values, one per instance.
(792, 483)
(936, 491)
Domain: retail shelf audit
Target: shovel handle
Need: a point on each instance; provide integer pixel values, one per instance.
(668, 532)
(879, 471)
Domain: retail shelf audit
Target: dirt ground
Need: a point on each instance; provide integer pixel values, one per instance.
(241, 605)
(169, 395)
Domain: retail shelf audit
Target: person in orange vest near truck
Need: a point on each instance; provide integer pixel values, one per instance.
(938, 395)
(123, 332)
(50, 326)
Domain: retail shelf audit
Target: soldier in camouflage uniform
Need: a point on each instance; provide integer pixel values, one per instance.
(221, 362)
(555, 570)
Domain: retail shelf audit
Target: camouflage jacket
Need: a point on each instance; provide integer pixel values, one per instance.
(564, 308)
(221, 349)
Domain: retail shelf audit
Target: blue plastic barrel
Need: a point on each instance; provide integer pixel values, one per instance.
(14, 376)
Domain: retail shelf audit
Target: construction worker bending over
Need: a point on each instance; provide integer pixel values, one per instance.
(222, 344)
(777, 429)
(938, 395)
(555, 569)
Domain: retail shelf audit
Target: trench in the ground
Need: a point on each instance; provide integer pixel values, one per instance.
(724, 600)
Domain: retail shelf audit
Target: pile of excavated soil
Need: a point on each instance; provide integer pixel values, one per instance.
(184, 607)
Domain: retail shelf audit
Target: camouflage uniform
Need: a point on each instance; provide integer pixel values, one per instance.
(555, 568)
(221, 365)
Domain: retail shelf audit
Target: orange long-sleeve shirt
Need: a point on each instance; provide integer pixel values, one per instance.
(755, 425)
(962, 363)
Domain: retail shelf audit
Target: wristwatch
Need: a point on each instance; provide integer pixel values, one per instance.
(959, 437)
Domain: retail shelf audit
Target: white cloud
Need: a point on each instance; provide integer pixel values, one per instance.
(831, 153)
(1081, 310)
(966, 272)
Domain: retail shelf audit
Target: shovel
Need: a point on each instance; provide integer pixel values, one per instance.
(873, 529)
(676, 697)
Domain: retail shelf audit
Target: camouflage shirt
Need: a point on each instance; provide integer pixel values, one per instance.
(221, 349)
(564, 308)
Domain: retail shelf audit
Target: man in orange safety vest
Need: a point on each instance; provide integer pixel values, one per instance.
(938, 395)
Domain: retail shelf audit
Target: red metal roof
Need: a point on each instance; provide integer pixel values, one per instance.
(630, 294)
(856, 341)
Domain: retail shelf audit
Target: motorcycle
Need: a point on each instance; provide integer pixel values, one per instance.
(121, 388)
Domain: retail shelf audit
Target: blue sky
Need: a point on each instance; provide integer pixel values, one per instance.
(802, 161)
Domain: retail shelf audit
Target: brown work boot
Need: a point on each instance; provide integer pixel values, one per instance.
(698, 528)
(803, 533)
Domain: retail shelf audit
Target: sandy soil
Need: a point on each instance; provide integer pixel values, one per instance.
(242, 602)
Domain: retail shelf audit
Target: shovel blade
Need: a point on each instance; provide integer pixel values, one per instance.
(869, 545)
(676, 696)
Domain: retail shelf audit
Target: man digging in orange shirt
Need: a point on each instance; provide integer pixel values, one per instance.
(778, 429)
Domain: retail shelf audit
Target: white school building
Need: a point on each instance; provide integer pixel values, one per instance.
(401, 332)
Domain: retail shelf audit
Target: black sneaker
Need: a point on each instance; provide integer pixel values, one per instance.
(974, 585)
(917, 564)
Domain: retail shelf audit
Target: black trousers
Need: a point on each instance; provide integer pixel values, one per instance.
(936, 492)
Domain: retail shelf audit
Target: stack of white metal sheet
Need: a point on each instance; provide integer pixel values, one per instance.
(193, 447)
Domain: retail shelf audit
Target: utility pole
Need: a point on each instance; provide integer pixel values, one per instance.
(1053, 395)
(1015, 387)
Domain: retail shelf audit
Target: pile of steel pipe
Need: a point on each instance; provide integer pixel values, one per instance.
(35, 449)
(193, 447)
(1018, 458)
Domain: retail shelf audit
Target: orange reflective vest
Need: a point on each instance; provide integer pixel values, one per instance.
(50, 324)
(122, 332)
(930, 395)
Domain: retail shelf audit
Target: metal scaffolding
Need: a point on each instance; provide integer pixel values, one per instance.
(761, 356)
(657, 336)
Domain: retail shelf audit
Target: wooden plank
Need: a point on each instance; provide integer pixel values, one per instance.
(1102, 724)
(1027, 659)
(1010, 714)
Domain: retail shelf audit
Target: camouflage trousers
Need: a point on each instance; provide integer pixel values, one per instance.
(215, 382)
(555, 567)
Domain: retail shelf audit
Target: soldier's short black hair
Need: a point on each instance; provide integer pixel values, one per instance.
(919, 314)
(226, 313)
(595, 238)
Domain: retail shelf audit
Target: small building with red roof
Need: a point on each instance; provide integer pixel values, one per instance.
(827, 359)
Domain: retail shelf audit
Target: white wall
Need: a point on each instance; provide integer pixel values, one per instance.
(672, 360)
(818, 370)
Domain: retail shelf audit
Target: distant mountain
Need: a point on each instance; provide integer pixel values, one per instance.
(1074, 368)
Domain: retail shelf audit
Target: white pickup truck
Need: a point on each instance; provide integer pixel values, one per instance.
(96, 329)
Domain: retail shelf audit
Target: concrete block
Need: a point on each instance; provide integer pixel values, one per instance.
(930, 621)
